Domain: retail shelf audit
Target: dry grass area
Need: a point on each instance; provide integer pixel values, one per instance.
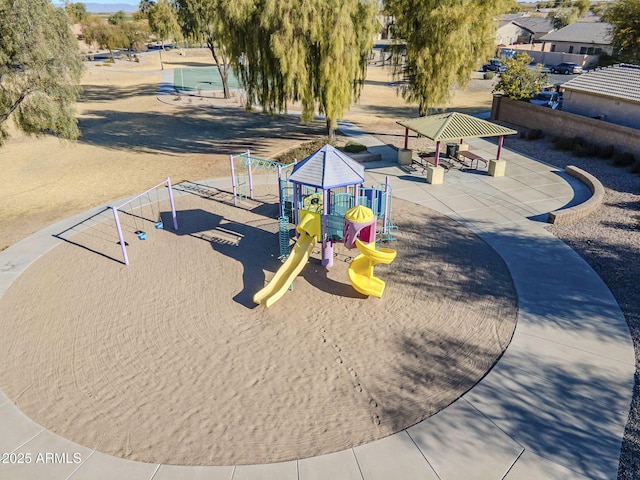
(131, 140)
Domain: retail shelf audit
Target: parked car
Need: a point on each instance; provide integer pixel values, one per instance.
(566, 68)
(552, 100)
(494, 65)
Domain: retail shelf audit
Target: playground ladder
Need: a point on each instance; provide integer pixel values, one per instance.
(283, 236)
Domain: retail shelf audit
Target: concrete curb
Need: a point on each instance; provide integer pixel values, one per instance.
(579, 211)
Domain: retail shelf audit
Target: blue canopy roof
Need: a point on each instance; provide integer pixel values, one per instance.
(328, 168)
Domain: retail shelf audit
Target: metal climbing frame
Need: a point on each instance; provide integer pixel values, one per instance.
(388, 228)
(242, 179)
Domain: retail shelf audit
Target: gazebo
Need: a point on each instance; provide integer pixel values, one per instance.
(454, 126)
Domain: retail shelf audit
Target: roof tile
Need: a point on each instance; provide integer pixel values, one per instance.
(618, 81)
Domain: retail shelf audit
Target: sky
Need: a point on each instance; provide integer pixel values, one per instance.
(104, 2)
(127, 5)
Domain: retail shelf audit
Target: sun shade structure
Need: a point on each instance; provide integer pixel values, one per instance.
(328, 168)
(453, 126)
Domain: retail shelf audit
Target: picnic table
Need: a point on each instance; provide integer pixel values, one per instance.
(464, 155)
(428, 159)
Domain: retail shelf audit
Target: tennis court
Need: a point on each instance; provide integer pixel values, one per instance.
(202, 79)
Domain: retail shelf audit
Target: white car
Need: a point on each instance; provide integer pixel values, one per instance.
(547, 99)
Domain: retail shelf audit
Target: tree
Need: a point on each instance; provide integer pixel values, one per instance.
(515, 7)
(518, 82)
(163, 21)
(582, 7)
(136, 33)
(314, 52)
(568, 13)
(118, 18)
(40, 69)
(443, 41)
(624, 15)
(145, 5)
(106, 35)
(77, 11)
(208, 21)
(563, 17)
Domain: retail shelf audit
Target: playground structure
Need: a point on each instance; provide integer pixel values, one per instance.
(309, 232)
(158, 224)
(360, 231)
(316, 194)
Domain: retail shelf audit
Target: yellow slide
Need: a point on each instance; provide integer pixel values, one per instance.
(361, 268)
(309, 230)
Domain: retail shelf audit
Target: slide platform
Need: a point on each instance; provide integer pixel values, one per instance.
(279, 284)
(361, 268)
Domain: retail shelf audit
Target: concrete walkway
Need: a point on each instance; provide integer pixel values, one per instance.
(554, 406)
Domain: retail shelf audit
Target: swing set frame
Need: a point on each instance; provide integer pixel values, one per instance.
(123, 244)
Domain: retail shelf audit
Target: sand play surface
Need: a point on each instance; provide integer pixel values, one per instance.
(168, 360)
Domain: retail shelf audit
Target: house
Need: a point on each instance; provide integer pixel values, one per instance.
(611, 94)
(537, 26)
(583, 38)
(508, 31)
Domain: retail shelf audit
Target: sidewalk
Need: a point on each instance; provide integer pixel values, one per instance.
(554, 407)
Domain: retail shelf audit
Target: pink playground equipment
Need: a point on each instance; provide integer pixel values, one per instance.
(360, 231)
(325, 186)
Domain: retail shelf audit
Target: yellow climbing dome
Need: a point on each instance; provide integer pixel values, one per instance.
(359, 214)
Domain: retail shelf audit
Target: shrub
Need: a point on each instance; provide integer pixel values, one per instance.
(488, 75)
(301, 151)
(579, 141)
(565, 143)
(607, 151)
(534, 134)
(585, 150)
(623, 159)
(354, 147)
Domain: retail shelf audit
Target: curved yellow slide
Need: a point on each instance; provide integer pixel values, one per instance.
(277, 287)
(361, 268)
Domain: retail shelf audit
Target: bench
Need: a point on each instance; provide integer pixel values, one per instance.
(585, 208)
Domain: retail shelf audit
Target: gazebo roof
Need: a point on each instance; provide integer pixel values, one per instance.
(328, 168)
(454, 126)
